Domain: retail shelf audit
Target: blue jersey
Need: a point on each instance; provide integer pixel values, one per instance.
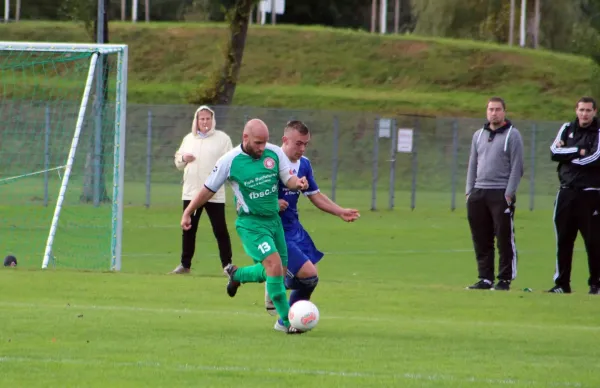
(289, 217)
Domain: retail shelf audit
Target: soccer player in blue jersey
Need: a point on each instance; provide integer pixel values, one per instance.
(302, 277)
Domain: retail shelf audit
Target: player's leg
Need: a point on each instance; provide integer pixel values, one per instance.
(305, 277)
(278, 295)
(260, 239)
(188, 242)
(276, 288)
(301, 276)
(296, 261)
(218, 221)
(303, 284)
(258, 244)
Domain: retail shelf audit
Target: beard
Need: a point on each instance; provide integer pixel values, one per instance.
(252, 152)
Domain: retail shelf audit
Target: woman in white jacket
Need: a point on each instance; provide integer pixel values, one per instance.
(196, 157)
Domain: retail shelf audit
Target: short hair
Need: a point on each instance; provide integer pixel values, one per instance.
(296, 125)
(586, 100)
(497, 99)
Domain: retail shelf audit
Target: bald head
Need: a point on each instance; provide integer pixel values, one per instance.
(256, 127)
(255, 137)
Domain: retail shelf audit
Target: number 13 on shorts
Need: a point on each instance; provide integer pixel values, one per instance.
(264, 247)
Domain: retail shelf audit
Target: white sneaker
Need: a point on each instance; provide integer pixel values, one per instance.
(269, 306)
(180, 270)
(279, 327)
(287, 330)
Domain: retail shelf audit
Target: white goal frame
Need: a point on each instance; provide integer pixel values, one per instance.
(120, 128)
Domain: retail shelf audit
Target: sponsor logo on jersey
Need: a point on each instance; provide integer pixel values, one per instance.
(262, 194)
(269, 163)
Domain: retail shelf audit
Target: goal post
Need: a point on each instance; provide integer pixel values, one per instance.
(62, 153)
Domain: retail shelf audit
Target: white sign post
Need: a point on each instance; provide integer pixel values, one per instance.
(405, 140)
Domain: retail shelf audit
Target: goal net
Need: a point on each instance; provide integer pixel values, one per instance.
(62, 145)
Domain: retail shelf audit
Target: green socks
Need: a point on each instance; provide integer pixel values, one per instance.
(250, 274)
(275, 287)
(276, 291)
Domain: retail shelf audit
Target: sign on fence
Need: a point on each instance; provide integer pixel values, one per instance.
(385, 128)
(405, 140)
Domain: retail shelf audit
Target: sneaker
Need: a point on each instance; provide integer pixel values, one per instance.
(483, 284)
(180, 269)
(269, 305)
(594, 290)
(560, 290)
(232, 285)
(279, 326)
(502, 285)
(225, 270)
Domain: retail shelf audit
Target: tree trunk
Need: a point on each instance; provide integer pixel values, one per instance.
(221, 88)
(238, 25)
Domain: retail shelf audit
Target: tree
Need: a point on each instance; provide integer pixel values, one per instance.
(220, 88)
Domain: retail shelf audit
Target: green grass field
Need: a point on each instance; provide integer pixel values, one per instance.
(394, 311)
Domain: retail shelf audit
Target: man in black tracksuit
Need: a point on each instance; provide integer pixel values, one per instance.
(577, 206)
(495, 171)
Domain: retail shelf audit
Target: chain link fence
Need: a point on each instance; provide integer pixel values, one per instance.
(354, 154)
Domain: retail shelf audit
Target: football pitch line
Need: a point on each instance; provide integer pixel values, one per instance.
(333, 253)
(370, 252)
(283, 371)
(232, 312)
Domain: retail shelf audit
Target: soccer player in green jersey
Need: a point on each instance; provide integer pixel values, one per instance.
(254, 169)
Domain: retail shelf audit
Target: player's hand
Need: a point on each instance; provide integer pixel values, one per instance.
(186, 222)
(188, 158)
(509, 200)
(301, 183)
(349, 215)
(582, 152)
(560, 143)
(283, 204)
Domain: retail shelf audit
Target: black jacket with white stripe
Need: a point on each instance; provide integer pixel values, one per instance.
(575, 170)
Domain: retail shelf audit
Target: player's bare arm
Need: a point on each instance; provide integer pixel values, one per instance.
(322, 202)
(199, 200)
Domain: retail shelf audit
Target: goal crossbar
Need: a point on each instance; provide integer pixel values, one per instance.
(62, 47)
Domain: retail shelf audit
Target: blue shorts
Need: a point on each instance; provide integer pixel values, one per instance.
(301, 249)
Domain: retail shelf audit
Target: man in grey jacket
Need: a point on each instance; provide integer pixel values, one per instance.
(495, 171)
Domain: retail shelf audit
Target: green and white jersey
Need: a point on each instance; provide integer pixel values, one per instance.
(255, 182)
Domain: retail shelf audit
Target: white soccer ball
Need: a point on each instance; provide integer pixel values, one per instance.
(304, 315)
